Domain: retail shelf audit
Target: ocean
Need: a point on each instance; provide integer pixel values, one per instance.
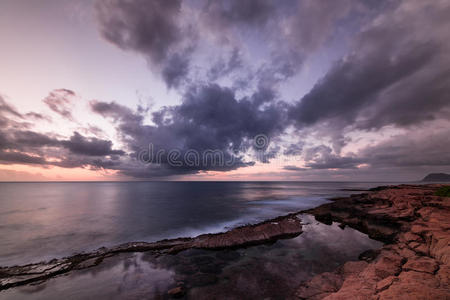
(44, 220)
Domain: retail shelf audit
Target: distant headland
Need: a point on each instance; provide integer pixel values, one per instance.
(437, 177)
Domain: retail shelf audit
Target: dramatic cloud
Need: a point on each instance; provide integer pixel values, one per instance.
(424, 148)
(397, 74)
(382, 102)
(151, 28)
(223, 14)
(19, 145)
(61, 101)
(179, 37)
(209, 120)
(321, 157)
(90, 146)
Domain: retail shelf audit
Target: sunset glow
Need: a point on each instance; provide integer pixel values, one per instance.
(356, 90)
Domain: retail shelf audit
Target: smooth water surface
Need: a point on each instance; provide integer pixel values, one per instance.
(269, 271)
(41, 221)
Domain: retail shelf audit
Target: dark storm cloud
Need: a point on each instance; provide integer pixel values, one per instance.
(176, 69)
(356, 83)
(90, 146)
(145, 26)
(170, 33)
(9, 157)
(234, 12)
(322, 157)
(60, 101)
(424, 148)
(151, 28)
(30, 138)
(210, 118)
(393, 75)
(297, 30)
(406, 155)
(77, 144)
(19, 145)
(227, 119)
(396, 74)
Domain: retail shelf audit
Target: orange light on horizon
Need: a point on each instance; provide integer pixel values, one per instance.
(16, 172)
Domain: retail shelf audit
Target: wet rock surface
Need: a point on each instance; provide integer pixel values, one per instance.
(413, 264)
(268, 231)
(266, 271)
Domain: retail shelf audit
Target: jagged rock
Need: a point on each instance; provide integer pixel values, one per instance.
(415, 262)
(421, 264)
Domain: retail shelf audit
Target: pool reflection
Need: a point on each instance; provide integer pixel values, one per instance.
(264, 271)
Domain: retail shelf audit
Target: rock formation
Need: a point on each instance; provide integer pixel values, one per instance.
(415, 261)
(281, 227)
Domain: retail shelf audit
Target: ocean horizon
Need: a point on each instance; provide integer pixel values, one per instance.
(46, 220)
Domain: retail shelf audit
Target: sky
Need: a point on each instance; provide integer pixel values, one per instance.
(304, 90)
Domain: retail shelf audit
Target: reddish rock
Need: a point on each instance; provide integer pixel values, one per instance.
(414, 285)
(421, 264)
(320, 286)
(415, 262)
(385, 283)
(250, 235)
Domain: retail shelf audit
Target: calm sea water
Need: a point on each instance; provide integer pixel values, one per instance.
(40, 221)
(268, 271)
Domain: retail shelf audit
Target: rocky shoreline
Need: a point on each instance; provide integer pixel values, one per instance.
(413, 264)
(278, 228)
(415, 261)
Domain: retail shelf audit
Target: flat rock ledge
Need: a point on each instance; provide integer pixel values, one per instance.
(282, 227)
(414, 263)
